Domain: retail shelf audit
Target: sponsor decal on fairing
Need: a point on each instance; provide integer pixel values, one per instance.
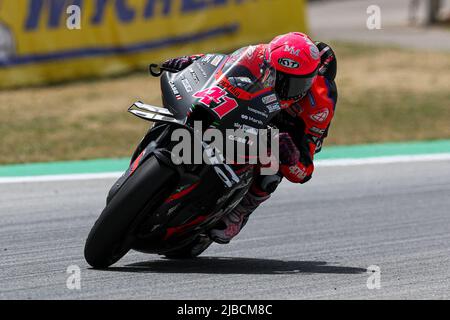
(187, 86)
(175, 91)
(269, 99)
(216, 61)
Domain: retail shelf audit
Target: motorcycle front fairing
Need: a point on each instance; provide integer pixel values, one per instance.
(234, 94)
(232, 97)
(178, 88)
(222, 88)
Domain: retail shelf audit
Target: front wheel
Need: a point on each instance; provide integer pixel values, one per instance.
(111, 236)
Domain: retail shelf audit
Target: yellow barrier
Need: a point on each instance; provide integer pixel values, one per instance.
(37, 46)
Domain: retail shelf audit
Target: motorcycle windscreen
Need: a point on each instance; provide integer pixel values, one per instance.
(246, 74)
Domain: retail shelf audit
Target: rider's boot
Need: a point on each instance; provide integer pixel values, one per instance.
(232, 223)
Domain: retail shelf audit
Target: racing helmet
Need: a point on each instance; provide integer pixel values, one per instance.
(296, 60)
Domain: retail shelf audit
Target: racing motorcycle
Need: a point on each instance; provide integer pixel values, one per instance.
(160, 207)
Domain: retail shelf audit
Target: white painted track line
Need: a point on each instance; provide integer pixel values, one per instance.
(318, 164)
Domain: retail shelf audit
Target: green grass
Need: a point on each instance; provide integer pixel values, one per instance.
(385, 94)
(378, 116)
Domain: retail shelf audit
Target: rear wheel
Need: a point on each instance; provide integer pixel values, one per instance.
(111, 236)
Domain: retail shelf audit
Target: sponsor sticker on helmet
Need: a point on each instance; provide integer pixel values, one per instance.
(288, 63)
(292, 50)
(314, 52)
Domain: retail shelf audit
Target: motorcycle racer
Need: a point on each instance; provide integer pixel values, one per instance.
(308, 95)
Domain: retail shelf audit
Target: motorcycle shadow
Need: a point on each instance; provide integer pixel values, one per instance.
(232, 265)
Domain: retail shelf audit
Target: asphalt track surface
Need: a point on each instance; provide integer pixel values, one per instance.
(314, 241)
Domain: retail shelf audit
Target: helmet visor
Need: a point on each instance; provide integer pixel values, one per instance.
(289, 86)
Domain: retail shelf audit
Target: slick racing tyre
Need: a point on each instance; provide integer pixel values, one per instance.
(111, 236)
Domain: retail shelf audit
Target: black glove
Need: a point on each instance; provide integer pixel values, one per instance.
(179, 63)
(328, 64)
